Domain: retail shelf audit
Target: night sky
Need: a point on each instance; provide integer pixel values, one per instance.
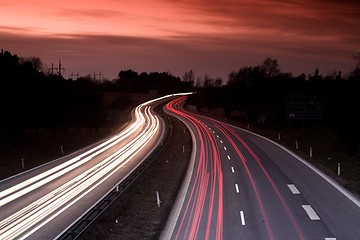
(207, 36)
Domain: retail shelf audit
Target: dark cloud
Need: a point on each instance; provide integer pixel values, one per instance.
(302, 18)
(92, 13)
(303, 35)
(216, 56)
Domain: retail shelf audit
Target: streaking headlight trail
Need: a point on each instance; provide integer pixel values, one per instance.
(21, 224)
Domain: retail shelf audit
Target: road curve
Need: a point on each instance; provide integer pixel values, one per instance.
(201, 214)
(45, 201)
(243, 186)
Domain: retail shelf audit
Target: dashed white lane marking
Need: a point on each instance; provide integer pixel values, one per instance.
(242, 218)
(293, 189)
(228, 157)
(217, 136)
(330, 238)
(221, 141)
(232, 170)
(214, 132)
(225, 148)
(237, 188)
(310, 212)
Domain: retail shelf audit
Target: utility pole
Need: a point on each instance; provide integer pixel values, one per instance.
(100, 76)
(59, 70)
(97, 76)
(74, 76)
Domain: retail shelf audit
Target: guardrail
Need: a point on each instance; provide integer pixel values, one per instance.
(77, 230)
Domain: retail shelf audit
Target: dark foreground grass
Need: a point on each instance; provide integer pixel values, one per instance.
(33, 148)
(136, 215)
(320, 145)
(324, 147)
(37, 148)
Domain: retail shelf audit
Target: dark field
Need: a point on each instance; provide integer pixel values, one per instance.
(135, 215)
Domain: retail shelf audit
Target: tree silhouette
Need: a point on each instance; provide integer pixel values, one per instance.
(356, 71)
(271, 67)
(189, 77)
(30, 99)
(252, 98)
(218, 82)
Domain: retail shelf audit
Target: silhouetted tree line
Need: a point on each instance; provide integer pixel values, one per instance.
(258, 94)
(162, 82)
(32, 98)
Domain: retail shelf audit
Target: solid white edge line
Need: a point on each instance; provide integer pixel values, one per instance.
(332, 182)
(111, 189)
(175, 212)
(242, 218)
(310, 212)
(293, 189)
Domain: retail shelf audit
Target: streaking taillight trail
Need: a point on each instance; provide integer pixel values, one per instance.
(203, 209)
(202, 212)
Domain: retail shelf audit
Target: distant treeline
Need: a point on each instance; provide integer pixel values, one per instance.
(260, 95)
(33, 98)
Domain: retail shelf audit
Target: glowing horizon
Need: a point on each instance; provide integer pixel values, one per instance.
(132, 19)
(206, 36)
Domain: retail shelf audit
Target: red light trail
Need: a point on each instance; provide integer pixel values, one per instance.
(207, 187)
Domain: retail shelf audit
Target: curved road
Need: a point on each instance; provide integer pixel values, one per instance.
(243, 186)
(43, 202)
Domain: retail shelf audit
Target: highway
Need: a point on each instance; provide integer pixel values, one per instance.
(45, 201)
(242, 186)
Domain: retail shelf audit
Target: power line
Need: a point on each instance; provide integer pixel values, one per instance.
(97, 76)
(59, 70)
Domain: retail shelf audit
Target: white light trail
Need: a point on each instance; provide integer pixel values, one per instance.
(23, 223)
(31, 184)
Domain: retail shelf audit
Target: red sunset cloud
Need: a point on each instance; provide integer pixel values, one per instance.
(213, 37)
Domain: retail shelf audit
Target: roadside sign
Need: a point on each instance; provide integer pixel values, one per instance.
(304, 105)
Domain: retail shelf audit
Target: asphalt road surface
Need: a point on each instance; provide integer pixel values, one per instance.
(243, 186)
(43, 202)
